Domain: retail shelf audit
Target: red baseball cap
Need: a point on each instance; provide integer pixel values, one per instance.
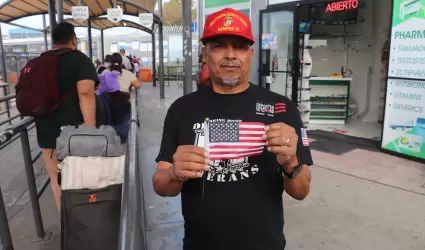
(228, 22)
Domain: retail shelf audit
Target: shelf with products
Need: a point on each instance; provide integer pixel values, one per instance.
(329, 100)
(385, 58)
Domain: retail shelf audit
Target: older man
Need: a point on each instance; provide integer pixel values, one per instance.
(233, 200)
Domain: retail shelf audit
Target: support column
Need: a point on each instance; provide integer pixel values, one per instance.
(59, 6)
(187, 46)
(161, 54)
(4, 74)
(52, 17)
(89, 40)
(200, 23)
(102, 47)
(45, 34)
(153, 57)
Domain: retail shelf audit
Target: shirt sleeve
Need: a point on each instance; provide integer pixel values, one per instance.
(169, 142)
(303, 145)
(86, 69)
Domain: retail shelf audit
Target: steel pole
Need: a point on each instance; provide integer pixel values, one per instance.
(102, 47)
(45, 34)
(200, 22)
(32, 188)
(5, 237)
(187, 46)
(59, 6)
(153, 59)
(89, 40)
(52, 18)
(4, 73)
(161, 54)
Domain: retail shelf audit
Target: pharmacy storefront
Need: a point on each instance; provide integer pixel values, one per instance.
(404, 123)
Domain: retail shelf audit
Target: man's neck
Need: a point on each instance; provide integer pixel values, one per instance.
(58, 46)
(220, 89)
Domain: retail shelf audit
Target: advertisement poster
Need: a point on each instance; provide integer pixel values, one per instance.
(408, 40)
(404, 123)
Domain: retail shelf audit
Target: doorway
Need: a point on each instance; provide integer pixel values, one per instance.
(279, 51)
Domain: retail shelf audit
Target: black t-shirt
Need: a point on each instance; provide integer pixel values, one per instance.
(73, 67)
(238, 203)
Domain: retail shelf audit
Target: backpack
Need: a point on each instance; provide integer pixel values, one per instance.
(37, 91)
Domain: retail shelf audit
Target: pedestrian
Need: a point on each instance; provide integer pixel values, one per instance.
(126, 78)
(231, 201)
(125, 61)
(77, 80)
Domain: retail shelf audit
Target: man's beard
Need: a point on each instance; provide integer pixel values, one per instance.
(228, 81)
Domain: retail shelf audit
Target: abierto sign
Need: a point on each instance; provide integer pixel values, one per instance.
(342, 5)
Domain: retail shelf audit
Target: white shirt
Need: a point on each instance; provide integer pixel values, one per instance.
(126, 62)
(125, 80)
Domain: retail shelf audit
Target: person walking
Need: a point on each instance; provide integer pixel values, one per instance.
(77, 81)
(232, 200)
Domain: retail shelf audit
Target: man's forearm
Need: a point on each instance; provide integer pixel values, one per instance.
(164, 184)
(88, 108)
(299, 187)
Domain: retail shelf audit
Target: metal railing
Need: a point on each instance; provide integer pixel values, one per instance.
(6, 138)
(132, 234)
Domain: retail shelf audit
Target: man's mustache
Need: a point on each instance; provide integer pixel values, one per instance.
(231, 63)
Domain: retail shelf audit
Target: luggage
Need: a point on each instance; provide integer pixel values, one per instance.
(86, 141)
(91, 202)
(90, 219)
(37, 91)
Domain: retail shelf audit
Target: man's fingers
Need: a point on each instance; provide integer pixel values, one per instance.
(282, 141)
(278, 126)
(191, 157)
(288, 151)
(184, 174)
(192, 166)
(193, 149)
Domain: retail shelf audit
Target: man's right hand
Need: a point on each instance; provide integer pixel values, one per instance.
(189, 162)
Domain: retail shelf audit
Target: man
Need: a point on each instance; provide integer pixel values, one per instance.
(125, 61)
(77, 79)
(234, 203)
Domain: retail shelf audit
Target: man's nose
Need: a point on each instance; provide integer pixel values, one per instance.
(230, 52)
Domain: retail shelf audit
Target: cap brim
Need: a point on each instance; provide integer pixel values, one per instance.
(205, 39)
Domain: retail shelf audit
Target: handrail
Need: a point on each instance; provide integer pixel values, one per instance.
(6, 137)
(132, 235)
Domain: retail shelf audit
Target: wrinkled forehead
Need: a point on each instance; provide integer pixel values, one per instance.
(228, 40)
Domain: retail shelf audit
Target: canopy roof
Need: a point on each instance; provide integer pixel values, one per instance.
(15, 9)
(102, 23)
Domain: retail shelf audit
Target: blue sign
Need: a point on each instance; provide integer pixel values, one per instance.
(194, 27)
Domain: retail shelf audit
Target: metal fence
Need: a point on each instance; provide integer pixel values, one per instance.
(132, 233)
(6, 138)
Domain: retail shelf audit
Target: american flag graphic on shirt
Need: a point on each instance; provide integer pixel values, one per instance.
(232, 140)
(304, 137)
(280, 107)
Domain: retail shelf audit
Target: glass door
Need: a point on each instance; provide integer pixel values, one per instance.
(278, 52)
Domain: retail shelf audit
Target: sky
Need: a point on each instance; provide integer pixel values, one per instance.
(37, 22)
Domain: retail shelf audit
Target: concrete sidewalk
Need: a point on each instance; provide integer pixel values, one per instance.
(360, 200)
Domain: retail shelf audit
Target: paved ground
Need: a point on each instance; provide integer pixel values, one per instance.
(360, 200)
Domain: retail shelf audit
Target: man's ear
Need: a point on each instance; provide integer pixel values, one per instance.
(204, 54)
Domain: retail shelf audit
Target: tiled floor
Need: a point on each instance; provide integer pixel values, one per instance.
(353, 128)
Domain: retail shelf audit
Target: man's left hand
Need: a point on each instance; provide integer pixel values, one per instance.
(282, 140)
